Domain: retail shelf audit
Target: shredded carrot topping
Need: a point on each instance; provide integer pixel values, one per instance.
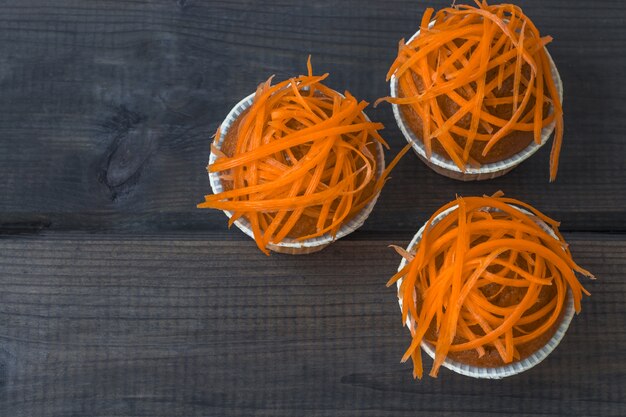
(303, 152)
(467, 55)
(484, 243)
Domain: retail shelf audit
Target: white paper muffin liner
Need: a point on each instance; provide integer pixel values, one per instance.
(289, 245)
(510, 369)
(445, 166)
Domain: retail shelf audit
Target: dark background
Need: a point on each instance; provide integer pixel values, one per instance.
(118, 297)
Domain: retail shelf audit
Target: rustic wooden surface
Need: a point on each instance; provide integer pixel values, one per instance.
(119, 298)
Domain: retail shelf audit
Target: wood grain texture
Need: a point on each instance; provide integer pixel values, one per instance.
(107, 107)
(119, 298)
(171, 325)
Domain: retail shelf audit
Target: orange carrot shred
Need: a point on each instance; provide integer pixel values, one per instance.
(455, 56)
(304, 153)
(482, 242)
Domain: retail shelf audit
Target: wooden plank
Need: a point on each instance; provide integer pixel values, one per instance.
(107, 107)
(177, 325)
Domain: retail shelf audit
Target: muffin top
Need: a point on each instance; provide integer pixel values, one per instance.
(486, 284)
(301, 161)
(476, 84)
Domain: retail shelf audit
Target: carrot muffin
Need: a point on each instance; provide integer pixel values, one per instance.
(486, 284)
(299, 166)
(475, 85)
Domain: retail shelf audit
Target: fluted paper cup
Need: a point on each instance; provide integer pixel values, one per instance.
(509, 369)
(289, 245)
(445, 166)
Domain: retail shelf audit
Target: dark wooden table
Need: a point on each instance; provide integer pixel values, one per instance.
(118, 297)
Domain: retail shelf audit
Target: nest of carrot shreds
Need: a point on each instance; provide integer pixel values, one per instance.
(476, 76)
(304, 155)
(487, 277)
